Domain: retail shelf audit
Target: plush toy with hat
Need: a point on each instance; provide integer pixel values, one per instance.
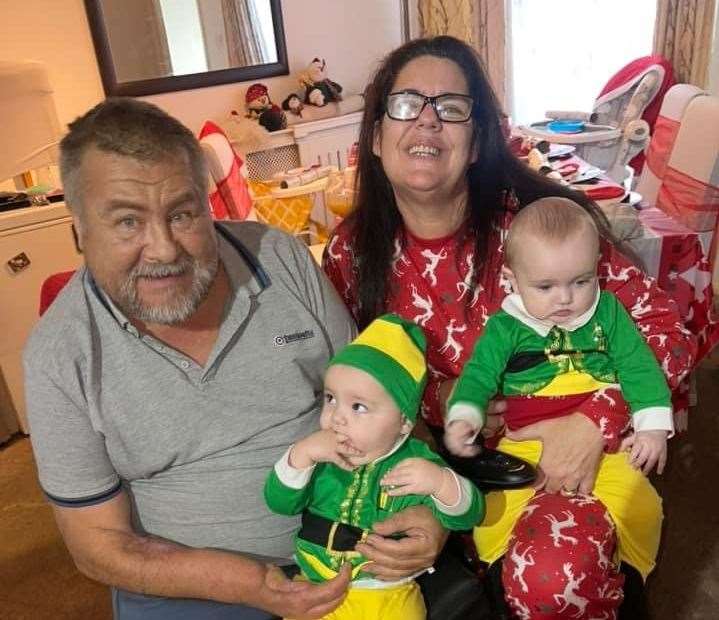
(320, 90)
(259, 107)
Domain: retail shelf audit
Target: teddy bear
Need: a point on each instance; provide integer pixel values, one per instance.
(259, 107)
(320, 90)
(293, 104)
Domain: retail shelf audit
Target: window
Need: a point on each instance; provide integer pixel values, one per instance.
(563, 52)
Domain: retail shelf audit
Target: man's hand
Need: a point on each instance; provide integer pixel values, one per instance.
(324, 446)
(572, 447)
(648, 448)
(394, 559)
(302, 600)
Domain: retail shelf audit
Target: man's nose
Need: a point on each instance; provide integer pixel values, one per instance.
(160, 244)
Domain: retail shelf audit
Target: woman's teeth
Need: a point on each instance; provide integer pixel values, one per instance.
(423, 150)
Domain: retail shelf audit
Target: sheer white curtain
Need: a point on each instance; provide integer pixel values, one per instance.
(564, 51)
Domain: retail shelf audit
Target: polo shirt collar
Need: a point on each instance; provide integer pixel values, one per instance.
(514, 306)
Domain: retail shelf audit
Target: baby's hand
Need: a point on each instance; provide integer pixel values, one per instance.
(414, 476)
(647, 449)
(458, 438)
(324, 446)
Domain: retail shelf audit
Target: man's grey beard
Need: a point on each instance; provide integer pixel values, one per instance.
(178, 310)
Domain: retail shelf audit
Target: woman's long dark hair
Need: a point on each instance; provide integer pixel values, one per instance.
(376, 221)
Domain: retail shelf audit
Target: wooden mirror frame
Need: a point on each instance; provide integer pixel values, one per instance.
(179, 82)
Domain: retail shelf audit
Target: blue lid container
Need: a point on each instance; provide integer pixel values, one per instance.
(565, 126)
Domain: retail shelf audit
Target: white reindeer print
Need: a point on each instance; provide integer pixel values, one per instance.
(521, 561)
(602, 393)
(557, 527)
(432, 262)
(570, 596)
(604, 561)
(398, 258)
(662, 338)
(639, 309)
(622, 276)
(465, 285)
(521, 611)
(451, 343)
(605, 590)
(529, 510)
(583, 500)
(331, 249)
(421, 303)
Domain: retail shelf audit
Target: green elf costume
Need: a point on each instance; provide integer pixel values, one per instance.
(545, 370)
(339, 507)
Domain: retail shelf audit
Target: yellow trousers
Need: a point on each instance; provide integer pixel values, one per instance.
(630, 499)
(402, 602)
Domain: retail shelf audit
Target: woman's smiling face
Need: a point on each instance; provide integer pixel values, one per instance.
(426, 154)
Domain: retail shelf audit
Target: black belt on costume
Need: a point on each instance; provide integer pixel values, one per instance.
(329, 534)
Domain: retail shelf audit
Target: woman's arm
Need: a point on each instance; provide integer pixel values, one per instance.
(654, 312)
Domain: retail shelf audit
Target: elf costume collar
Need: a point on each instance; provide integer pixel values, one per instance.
(514, 306)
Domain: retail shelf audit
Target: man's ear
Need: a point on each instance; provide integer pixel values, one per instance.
(509, 275)
(77, 232)
(377, 139)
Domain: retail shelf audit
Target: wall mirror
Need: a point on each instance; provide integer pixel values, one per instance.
(145, 47)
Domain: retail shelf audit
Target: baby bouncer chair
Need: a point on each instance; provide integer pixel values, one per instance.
(618, 128)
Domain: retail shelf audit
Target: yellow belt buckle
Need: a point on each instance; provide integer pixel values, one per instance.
(331, 537)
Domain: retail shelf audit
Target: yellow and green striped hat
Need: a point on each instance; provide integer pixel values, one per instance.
(392, 350)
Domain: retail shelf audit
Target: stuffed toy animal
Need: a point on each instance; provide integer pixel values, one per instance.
(293, 104)
(260, 107)
(320, 90)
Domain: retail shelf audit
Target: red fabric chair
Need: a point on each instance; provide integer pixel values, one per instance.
(230, 198)
(51, 287)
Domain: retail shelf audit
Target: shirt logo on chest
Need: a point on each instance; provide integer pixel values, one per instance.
(282, 340)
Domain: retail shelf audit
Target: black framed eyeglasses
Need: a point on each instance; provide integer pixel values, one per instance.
(449, 107)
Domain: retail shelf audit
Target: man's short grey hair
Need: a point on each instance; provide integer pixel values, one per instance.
(131, 128)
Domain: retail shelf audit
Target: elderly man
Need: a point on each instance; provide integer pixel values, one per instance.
(170, 374)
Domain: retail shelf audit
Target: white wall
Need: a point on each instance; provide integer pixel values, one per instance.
(352, 36)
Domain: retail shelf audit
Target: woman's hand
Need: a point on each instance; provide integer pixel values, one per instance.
(494, 424)
(572, 447)
(394, 559)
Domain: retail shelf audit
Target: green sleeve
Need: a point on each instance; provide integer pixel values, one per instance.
(285, 500)
(482, 374)
(640, 377)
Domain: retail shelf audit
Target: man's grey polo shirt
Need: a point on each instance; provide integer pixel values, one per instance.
(110, 408)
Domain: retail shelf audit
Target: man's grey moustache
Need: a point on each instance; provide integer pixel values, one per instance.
(161, 271)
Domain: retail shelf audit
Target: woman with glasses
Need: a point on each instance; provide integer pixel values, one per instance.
(437, 188)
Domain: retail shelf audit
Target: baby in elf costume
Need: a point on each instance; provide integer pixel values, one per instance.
(362, 466)
(559, 345)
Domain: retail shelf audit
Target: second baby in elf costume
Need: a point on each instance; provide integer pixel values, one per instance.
(362, 466)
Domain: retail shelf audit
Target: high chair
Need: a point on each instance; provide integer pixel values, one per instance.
(618, 128)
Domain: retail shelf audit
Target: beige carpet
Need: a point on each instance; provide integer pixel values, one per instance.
(38, 580)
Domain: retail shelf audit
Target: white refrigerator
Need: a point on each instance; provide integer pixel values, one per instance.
(35, 242)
